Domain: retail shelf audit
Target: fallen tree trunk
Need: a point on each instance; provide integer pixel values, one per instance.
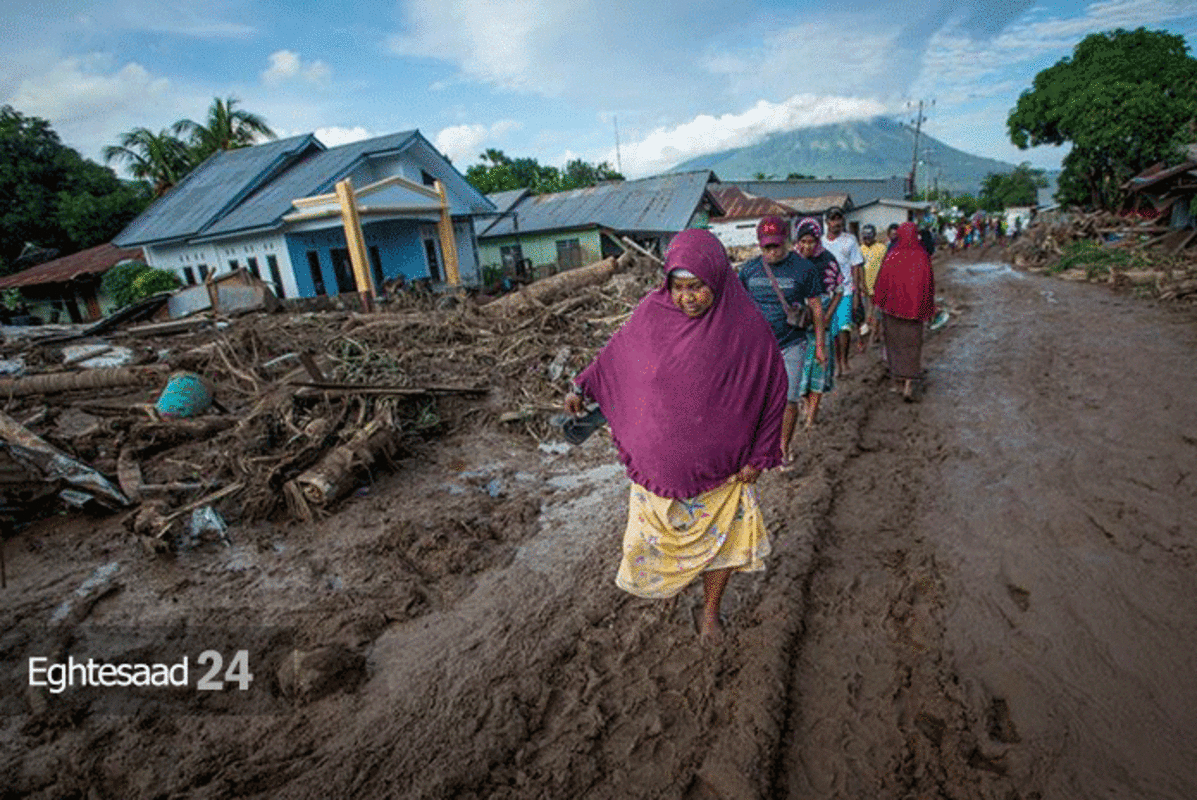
(54, 382)
(552, 288)
(334, 475)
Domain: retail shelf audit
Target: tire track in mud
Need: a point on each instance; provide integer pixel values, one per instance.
(874, 704)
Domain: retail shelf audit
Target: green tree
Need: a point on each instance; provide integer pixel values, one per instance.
(1017, 188)
(497, 172)
(225, 128)
(798, 176)
(1124, 100)
(53, 197)
(160, 159)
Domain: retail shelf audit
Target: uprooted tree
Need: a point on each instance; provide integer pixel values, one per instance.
(1124, 100)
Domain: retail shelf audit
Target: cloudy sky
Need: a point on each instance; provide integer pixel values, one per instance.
(551, 79)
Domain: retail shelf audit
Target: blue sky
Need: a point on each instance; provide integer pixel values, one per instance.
(551, 79)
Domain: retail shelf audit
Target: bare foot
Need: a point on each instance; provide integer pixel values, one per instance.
(710, 631)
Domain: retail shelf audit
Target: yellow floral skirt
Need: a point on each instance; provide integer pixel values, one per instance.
(669, 542)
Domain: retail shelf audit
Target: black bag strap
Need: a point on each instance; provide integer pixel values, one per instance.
(776, 285)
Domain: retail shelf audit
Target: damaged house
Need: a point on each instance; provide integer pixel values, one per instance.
(563, 230)
(267, 209)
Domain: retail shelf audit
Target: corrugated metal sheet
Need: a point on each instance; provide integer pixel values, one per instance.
(316, 173)
(93, 261)
(862, 190)
(816, 205)
(737, 204)
(210, 190)
(505, 200)
(661, 204)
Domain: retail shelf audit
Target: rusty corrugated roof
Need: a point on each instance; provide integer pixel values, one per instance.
(815, 205)
(738, 204)
(93, 261)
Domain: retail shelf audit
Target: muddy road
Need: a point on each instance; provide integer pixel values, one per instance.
(986, 594)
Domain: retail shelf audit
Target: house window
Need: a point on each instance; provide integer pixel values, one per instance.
(314, 269)
(376, 267)
(569, 253)
(252, 263)
(343, 269)
(428, 179)
(434, 267)
(233, 265)
(276, 277)
(203, 271)
(189, 276)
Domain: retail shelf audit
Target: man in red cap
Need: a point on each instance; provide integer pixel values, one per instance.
(781, 281)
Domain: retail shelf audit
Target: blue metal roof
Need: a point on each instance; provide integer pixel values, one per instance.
(316, 173)
(660, 204)
(210, 190)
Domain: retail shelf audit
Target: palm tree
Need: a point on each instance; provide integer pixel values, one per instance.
(226, 128)
(159, 158)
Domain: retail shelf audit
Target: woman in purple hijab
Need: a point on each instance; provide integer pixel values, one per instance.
(694, 389)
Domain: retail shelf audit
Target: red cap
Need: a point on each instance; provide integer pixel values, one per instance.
(772, 230)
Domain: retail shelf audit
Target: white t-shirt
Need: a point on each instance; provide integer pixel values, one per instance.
(847, 252)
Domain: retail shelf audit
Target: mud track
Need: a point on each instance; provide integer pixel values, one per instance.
(987, 594)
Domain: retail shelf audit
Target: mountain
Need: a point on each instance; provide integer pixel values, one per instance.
(876, 148)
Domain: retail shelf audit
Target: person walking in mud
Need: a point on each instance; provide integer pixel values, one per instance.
(781, 282)
(846, 251)
(818, 377)
(905, 293)
(873, 251)
(694, 389)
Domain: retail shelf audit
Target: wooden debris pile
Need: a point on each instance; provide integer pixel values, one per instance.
(1148, 258)
(308, 405)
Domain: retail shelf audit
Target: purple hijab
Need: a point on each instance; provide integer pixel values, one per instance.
(692, 401)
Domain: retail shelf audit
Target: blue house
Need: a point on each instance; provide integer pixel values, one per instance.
(262, 208)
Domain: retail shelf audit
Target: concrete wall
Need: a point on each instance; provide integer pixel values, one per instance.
(736, 232)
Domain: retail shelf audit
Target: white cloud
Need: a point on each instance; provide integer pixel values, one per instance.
(665, 147)
(90, 102)
(814, 55)
(499, 47)
(461, 143)
(286, 64)
(333, 136)
(211, 20)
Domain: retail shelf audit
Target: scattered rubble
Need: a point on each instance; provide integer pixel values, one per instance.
(1149, 258)
(304, 405)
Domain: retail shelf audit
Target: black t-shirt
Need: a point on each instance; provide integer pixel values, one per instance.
(798, 279)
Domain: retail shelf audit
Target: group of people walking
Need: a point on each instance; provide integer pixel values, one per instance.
(704, 384)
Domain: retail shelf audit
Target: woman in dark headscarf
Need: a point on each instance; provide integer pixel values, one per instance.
(905, 293)
(694, 389)
(818, 378)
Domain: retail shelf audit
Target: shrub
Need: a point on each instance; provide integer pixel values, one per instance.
(153, 281)
(1095, 258)
(118, 282)
(128, 283)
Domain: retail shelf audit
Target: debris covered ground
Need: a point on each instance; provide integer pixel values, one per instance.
(984, 594)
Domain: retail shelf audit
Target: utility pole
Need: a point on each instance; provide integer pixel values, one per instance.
(618, 166)
(918, 129)
(914, 161)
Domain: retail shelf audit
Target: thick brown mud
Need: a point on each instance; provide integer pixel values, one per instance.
(985, 594)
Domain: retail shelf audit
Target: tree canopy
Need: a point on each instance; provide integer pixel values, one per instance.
(497, 172)
(163, 159)
(1125, 100)
(53, 198)
(1017, 188)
